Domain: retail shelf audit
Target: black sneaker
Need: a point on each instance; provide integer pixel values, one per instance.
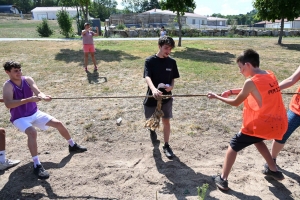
(221, 183)
(40, 172)
(276, 175)
(77, 148)
(168, 151)
(153, 135)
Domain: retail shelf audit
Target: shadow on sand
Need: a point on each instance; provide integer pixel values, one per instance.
(23, 178)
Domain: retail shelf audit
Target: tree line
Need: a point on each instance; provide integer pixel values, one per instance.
(242, 19)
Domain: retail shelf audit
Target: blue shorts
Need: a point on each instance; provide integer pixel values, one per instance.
(294, 123)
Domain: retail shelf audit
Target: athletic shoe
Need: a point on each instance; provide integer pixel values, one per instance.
(168, 151)
(276, 175)
(221, 183)
(8, 164)
(153, 135)
(40, 172)
(77, 148)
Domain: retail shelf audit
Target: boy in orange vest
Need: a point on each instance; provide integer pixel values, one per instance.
(264, 115)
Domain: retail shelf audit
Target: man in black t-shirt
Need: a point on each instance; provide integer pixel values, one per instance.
(160, 71)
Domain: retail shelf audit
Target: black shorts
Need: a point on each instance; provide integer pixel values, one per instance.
(166, 108)
(240, 141)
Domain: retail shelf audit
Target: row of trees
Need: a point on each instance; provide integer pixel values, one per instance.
(242, 19)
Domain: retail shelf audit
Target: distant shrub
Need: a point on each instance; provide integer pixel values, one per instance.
(65, 23)
(120, 26)
(44, 29)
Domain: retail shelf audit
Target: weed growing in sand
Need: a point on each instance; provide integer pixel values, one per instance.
(202, 191)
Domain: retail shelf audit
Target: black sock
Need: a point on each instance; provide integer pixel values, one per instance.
(166, 144)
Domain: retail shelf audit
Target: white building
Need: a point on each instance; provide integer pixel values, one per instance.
(192, 19)
(287, 24)
(49, 13)
(216, 22)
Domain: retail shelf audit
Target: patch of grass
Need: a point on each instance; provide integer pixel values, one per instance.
(202, 191)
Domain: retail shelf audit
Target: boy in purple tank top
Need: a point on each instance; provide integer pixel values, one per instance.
(20, 95)
(88, 44)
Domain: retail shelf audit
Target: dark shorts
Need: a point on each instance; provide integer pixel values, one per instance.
(166, 108)
(240, 141)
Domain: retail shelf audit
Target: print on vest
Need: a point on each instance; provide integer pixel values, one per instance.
(168, 69)
(273, 91)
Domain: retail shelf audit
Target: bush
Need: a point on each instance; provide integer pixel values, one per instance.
(44, 29)
(65, 23)
(121, 26)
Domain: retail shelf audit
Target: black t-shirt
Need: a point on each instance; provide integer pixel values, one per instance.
(160, 70)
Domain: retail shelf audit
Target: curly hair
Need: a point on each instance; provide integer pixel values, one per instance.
(11, 64)
(166, 40)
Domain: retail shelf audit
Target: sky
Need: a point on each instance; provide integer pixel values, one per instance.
(225, 7)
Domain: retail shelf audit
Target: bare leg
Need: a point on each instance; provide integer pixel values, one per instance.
(2, 139)
(86, 58)
(263, 150)
(31, 140)
(60, 127)
(276, 148)
(93, 58)
(167, 129)
(228, 162)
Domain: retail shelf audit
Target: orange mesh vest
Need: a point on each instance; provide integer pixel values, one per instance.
(295, 103)
(270, 120)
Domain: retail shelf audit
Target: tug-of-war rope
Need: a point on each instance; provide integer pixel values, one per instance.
(153, 122)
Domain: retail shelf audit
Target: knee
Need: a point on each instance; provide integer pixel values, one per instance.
(57, 124)
(31, 133)
(166, 122)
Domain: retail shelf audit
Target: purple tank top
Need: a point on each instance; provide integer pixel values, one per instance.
(22, 92)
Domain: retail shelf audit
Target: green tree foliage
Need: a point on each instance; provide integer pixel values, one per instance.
(44, 29)
(103, 8)
(179, 7)
(65, 23)
(139, 6)
(277, 9)
(241, 19)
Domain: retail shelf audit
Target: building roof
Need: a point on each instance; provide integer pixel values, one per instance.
(168, 12)
(276, 21)
(216, 18)
(52, 9)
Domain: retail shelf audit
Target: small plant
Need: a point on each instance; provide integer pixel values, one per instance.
(120, 26)
(202, 191)
(44, 29)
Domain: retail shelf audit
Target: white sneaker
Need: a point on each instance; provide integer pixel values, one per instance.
(8, 163)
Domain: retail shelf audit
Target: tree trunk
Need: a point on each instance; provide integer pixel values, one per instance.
(179, 24)
(281, 31)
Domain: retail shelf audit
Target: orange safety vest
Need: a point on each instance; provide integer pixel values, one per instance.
(270, 120)
(295, 103)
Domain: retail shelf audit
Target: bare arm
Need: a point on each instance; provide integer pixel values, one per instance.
(156, 93)
(248, 88)
(294, 78)
(97, 32)
(227, 93)
(83, 32)
(36, 90)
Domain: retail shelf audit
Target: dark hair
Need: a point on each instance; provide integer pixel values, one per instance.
(162, 27)
(11, 64)
(250, 56)
(166, 40)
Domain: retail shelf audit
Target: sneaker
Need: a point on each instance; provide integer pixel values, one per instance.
(168, 151)
(221, 183)
(8, 164)
(153, 135)
(77, 148)
(276, 175)
(40, 172)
